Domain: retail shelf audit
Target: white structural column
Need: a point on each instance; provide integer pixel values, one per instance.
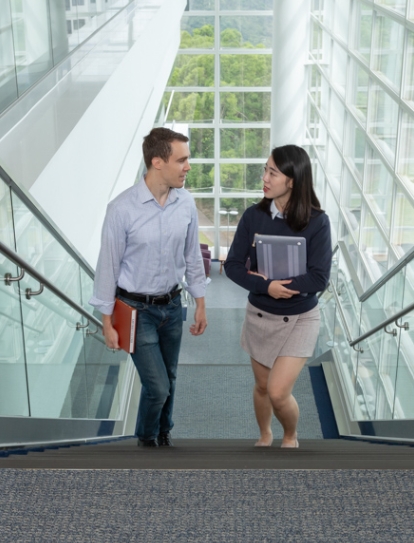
(290, 54)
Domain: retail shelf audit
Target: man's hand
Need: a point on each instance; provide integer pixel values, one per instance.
(200, 318)
(277, 290)
(109, 332)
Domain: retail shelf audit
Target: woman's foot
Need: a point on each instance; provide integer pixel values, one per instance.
(290, 443)
(265, 440)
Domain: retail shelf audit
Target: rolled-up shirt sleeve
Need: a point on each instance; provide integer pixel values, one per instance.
(195, 274)
(113, 245)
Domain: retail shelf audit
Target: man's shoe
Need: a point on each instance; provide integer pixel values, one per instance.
(147, 443)
(164, 440)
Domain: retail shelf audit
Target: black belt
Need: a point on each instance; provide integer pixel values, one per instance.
(162, 299)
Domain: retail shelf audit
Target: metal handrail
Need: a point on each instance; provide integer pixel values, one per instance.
(395, 318)
(23, 265)
(384, 324)
(388, 275)
(46, 222)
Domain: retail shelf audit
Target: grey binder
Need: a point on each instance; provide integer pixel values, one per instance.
(280, 257)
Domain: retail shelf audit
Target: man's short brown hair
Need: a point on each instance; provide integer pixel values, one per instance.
(158, 144)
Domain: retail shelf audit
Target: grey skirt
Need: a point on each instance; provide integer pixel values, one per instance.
(266, 336)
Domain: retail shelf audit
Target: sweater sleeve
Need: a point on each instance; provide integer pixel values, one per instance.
(319, 258)
(235, 265)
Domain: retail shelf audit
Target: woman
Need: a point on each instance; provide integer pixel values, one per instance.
(282, 317)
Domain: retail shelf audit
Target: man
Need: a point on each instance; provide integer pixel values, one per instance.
(149, 241)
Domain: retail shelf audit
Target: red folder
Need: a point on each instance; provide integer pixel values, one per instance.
(124, 320)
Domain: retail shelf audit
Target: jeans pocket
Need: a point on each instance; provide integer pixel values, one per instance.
(176, 302)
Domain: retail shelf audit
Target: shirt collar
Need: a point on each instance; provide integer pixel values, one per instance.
(145, 195)
(275, 212)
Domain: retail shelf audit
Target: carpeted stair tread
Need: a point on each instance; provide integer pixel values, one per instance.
(221, 454)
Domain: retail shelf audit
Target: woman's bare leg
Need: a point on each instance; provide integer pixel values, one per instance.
(280, 384)
(262, 405)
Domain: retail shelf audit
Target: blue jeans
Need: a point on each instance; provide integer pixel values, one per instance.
(157, 349)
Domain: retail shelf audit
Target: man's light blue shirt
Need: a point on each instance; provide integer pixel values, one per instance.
(147, 248)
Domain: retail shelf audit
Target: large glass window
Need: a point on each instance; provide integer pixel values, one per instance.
(373, 246)
(403, 227)
(378, 189)
(406, 157)
(245, 142)
(201, 142)
(189, 106)
(351, 203)
(341, 18)
(201, 4)
(372, 169)
(228, 121)
(334, 167)
(339, 68)
(359, 88)
(245, 32)
(408, 89)
(363, 31)
(337, 119)
(316, 40)
(241, 107)
(197, 33)
(397, 5)
(383, 122)
(200, 178)
(356, 143)
(315, 83)
(241, 177)
(387, 49)
(246, 4)
(8, 82)
(245, 70)
(192, 71)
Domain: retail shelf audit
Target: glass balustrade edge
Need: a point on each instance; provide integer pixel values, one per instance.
(47, 222)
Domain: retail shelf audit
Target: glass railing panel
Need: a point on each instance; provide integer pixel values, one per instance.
(6, 217)
(376, 377)
(13, 382)
(405, 375)
(104, 371)
(346, 359)
(35, 36)
(346, 291)
(55, 355)
(384, 303)
(86, 282)
(326, 333)
(404, 385)
(36, 245)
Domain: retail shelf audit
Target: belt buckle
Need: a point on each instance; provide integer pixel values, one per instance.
(157, 300)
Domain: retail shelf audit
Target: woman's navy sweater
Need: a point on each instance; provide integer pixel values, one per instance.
(318, 251)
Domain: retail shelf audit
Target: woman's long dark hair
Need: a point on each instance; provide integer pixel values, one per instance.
(294, 162)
